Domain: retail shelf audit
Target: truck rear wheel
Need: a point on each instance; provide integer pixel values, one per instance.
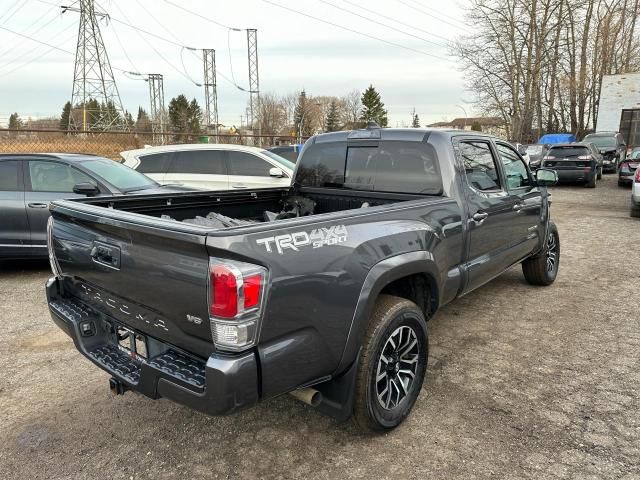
(543, 268)
(392, 364)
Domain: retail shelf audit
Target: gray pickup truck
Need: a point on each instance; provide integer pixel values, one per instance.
(219, 300)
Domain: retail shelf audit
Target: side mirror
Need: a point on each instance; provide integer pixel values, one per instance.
(276, 172)
(86, 188)
(546, 177)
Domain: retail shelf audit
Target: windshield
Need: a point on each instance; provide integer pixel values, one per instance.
(635, 155)
(123, 178)
(282, 161)
(601, 142)
(534, 149)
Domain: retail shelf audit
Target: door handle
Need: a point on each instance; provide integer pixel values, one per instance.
(480, 216)
(239, 186)
(38, 205)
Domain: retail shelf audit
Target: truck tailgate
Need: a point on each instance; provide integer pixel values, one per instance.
(151, 276)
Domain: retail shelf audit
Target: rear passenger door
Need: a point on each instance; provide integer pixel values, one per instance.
(203, 169)
(490, 216)
(527, 200)
(250, 171)
(14, 227)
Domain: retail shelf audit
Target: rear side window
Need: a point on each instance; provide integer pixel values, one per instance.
(480, 166)
(9, 176)
(245, 164)
(322, 165)
(155, 163)
(566, 152)
(208, 162)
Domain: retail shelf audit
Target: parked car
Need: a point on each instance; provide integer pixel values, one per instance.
(28, 182)
(612, 147)
(212, 166)
(635, 195)
(535, 152)
(290, 152)
(575, 162)
(322, 289)
(628, 168)
(522, 150)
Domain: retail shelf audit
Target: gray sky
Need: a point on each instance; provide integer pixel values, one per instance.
(295, 52)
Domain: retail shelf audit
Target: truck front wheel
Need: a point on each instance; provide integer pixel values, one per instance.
(543, 268)
(392, 364)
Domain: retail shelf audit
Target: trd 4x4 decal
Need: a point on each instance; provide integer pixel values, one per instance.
(317, 238)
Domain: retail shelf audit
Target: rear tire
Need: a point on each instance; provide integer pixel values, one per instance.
(592, 182)
(543, 268)
(600, 173)
(392, 364)
(635, 212)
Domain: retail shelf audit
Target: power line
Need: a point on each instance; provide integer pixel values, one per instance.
(429, 14)
(12, 47)
(398, 21)
(208, 19)
(382, 24)
(35, 59)
(5, 20)
(372, 37)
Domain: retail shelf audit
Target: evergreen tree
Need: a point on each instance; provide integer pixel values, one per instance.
(129, 119)
(416, 120)
(184, 116)
(300, 116)
(373, 108)
(15, 122)
(143, 122)
(64, 118)
(333, 118)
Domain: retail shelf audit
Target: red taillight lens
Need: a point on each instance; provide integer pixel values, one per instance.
(637, 179)
(252, 287)
(224, 292)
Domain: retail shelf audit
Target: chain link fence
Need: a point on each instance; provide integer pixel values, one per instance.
(110, 144)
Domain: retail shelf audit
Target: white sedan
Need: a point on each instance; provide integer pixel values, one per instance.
(212, 166)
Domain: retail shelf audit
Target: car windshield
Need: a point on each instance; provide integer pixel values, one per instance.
(601, 142)
(123, 178)
(534, 149)
(635, 155)
(282, 161)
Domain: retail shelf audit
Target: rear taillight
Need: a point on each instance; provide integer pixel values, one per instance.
(584, 157)
(637, 179)
(53, 261)
(236, 298)
(624, 166)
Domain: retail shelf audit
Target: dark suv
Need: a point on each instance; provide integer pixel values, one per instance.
(575, 162)
(612, 147)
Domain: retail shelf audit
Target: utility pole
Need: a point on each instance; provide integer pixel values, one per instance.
(254, 81)
(93, 78)
(157, 113)
(210, 91)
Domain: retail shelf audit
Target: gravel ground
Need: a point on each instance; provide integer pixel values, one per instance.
(523, 382)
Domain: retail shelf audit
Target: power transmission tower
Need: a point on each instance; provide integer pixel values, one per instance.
(254, 80)
(210, 90)
(157, 112)
(94, 87)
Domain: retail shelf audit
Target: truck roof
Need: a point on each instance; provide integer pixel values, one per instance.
(399, 134)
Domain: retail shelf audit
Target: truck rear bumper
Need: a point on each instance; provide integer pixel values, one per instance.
(218, 386)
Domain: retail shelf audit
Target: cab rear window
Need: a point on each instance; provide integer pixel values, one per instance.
(392, 166)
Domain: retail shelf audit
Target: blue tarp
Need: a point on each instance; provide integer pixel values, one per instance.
(557, 138)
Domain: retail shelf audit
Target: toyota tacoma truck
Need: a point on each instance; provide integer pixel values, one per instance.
(220, 300)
